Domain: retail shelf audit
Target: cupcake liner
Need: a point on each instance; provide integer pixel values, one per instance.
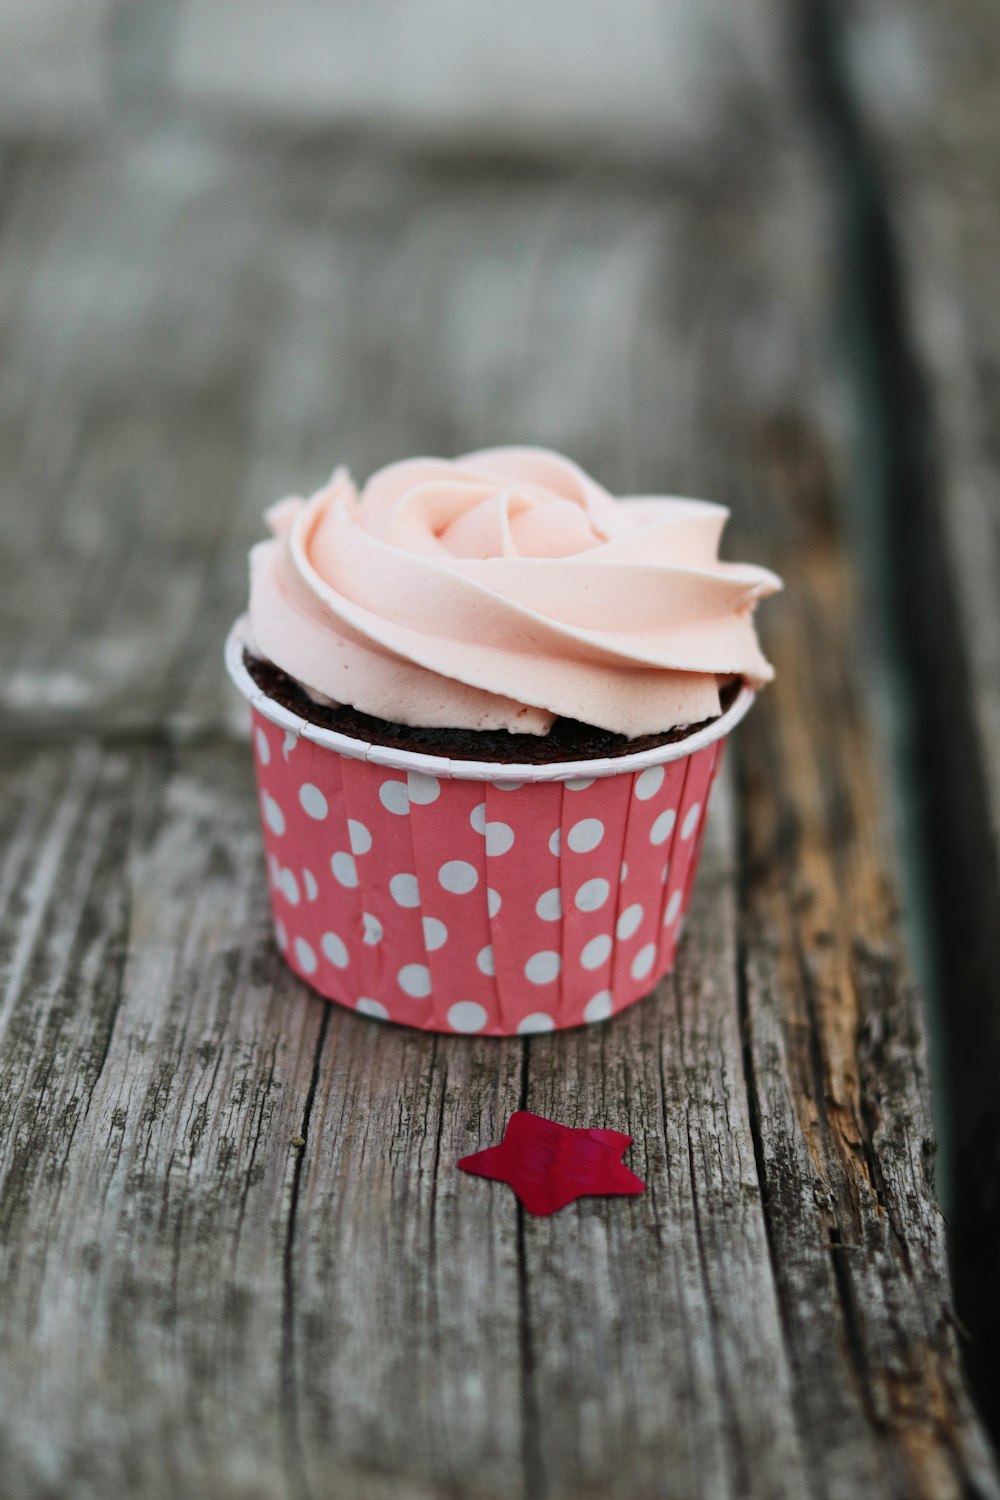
(463, 897)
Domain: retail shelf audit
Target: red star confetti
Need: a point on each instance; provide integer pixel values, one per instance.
(549, 1165)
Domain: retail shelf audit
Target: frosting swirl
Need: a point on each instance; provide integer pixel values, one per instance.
(502, 590)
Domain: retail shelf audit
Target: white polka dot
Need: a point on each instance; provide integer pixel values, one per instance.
(289, 886)
(499, 838)
(273, 815)
(665, 873)
(549, 905)
(598, 1008)
(663, 826)
(673, 907)
(466, 1015)
(648, 782)
(477, 818)
(484, 961)
(289, 743)
(507, 786)
(542, 968)
(305, 956)
(274, 870)
(422, 789)
(394, 797)
(373, 928)
(493, 902)
(281, 935)
(334, 949)
(372, 1008)
(404, 890)
(263, 748)
(458, 876)
(691, 820)
(592, 894)
(313, 801)
(435, 934)
(596, 951)
(555, 841)
(309, 881)
(643, 961)
(624, 871)
(344, 868)
(534, 1023)
(360, 838)
(579, 783)
(585, 835)
(628, 922)
(415, 980)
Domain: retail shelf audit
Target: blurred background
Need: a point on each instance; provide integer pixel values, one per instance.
(247, 242)
(739, 250)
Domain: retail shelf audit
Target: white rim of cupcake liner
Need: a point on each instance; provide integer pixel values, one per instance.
(240, 639)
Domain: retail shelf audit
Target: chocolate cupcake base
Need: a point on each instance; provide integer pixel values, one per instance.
(567, 740)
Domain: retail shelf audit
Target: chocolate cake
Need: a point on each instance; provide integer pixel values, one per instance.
(567, 740)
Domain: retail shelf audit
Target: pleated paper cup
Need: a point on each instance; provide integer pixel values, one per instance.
(464, 896)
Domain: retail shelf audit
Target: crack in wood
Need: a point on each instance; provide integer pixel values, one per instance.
(532, 1462)
(289, 1373)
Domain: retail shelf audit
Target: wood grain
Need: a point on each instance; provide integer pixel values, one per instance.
(236, 1258)
(926, 135)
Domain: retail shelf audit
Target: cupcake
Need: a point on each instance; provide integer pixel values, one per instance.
(489, 700)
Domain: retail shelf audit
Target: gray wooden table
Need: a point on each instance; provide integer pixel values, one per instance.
(729, 250)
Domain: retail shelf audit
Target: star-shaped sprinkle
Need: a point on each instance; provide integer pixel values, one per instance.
(549, 1165)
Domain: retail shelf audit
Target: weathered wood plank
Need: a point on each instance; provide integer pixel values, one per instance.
(206, 328)
(923, 85)
(542, 78)
(199, 321)
(53, 79)
(155, 1068)
(550, 79)
(408, 1341)
(838, 1079)
(152, 1201)
(670, 1322)
(172, 1260)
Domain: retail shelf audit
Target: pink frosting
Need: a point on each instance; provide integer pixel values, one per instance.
(502, 590)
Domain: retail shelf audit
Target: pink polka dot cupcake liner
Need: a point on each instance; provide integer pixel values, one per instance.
(472, 897)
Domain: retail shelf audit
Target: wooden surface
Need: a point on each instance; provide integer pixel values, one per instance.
(236, 1258)
(931, 142)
